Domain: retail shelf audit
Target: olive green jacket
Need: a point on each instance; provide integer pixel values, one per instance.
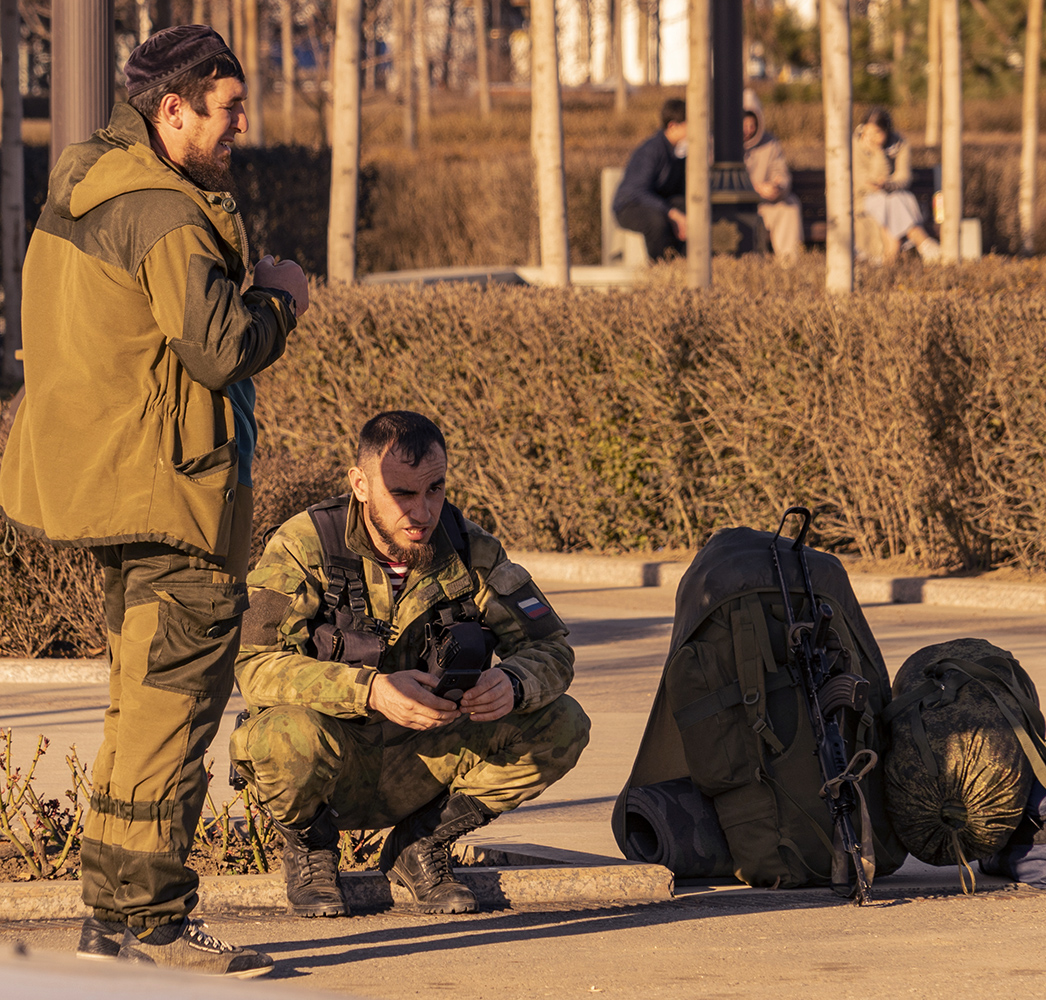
(133, 325)
(286, 592)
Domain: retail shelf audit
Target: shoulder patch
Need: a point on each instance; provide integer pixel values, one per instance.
(528, 606)
(534, 608)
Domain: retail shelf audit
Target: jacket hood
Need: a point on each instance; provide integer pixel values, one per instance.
(750, 102)
(115, 160)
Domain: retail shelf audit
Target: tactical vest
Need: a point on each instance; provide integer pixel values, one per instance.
(343, 631)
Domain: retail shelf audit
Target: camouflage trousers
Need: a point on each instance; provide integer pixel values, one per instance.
(375, 774)
(173, 623)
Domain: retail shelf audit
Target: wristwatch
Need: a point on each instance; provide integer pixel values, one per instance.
(517, 690)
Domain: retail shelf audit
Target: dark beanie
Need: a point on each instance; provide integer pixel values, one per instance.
(169, 53)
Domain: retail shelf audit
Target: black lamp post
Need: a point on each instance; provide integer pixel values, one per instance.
(736, 226)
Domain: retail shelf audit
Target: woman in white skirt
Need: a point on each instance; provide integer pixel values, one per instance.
(886, 212)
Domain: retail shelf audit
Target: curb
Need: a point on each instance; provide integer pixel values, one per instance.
(869, 588)
(511, 876)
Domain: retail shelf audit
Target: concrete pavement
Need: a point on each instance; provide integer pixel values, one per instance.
(610, 941)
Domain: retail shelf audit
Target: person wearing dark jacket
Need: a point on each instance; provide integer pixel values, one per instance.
(651, 198)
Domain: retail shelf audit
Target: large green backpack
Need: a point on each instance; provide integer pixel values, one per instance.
(730, 714)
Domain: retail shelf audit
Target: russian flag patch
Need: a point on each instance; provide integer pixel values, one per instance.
(533, 608)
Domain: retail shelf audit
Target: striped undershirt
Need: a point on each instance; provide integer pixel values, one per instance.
(397, 574)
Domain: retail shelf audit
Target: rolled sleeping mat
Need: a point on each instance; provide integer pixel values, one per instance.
(673, 823)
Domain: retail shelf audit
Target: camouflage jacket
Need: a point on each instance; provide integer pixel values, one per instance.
(286, 592)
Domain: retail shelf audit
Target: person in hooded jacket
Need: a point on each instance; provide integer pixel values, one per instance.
(780, 210)
(134, 441)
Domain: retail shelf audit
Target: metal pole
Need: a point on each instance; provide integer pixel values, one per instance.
(727, 82)
(83, 64)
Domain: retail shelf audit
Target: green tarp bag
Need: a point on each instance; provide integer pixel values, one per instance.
(730, 714)
(965, 743)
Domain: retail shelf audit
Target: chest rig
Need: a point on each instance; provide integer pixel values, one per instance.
(344, 632)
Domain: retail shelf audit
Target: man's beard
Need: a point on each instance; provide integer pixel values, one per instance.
(206, 172)
(416, 555)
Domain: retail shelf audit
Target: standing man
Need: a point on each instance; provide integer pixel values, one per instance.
(357, 605)
(652, 196)
(135, 441)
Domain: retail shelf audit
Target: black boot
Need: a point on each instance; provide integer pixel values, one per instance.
(310, 865)
(416, 854)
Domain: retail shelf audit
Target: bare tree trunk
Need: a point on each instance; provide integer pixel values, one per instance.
(12, 209)
(620, 83)
(199, 12)
(899, 76)
(655, 69)
(951, 131)
(643, 42)
(482, 58)
(546, 140)
(933, 75)
(236, 29)
(838, 153)
(1030, 125)
(421, 66)
(145, 21)
(406, 63)
(699, 153)
(447, 58)
(584, 53)
(345, 144)
(288, 60)
(370, 49)
(220, 19)
(252, 70)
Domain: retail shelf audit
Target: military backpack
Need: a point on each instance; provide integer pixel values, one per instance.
(730, 715)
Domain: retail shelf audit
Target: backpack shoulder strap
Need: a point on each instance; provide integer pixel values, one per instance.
(343, 567)
(453, 522)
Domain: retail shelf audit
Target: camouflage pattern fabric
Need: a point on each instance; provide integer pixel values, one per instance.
(368, 758)
(373, 776)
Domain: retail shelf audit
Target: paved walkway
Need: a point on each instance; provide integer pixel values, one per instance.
(630, 935)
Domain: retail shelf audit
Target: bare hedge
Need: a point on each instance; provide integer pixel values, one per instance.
(910, 415)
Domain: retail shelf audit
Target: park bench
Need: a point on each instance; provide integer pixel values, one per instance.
(808, 187)
(627, 249)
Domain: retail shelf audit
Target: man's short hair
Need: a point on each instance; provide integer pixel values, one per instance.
(408, 432)
(192, 86)
(673, 110)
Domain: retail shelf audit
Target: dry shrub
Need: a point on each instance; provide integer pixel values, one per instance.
(910, 415)
(546, 397)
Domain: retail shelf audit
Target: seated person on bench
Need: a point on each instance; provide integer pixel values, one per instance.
(652, 196)
(780, 209)
(885, 211)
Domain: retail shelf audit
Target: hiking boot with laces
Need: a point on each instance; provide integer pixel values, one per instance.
(310, 866)
(186, 945)
(416, 853)
(100, 940)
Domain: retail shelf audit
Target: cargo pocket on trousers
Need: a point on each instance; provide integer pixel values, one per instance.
(197, 638)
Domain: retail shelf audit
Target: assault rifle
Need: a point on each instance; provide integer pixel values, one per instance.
(826, 693)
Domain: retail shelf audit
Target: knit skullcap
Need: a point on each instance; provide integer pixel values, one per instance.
(169, 53)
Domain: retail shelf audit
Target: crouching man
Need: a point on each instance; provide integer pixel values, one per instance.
(364, 610)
